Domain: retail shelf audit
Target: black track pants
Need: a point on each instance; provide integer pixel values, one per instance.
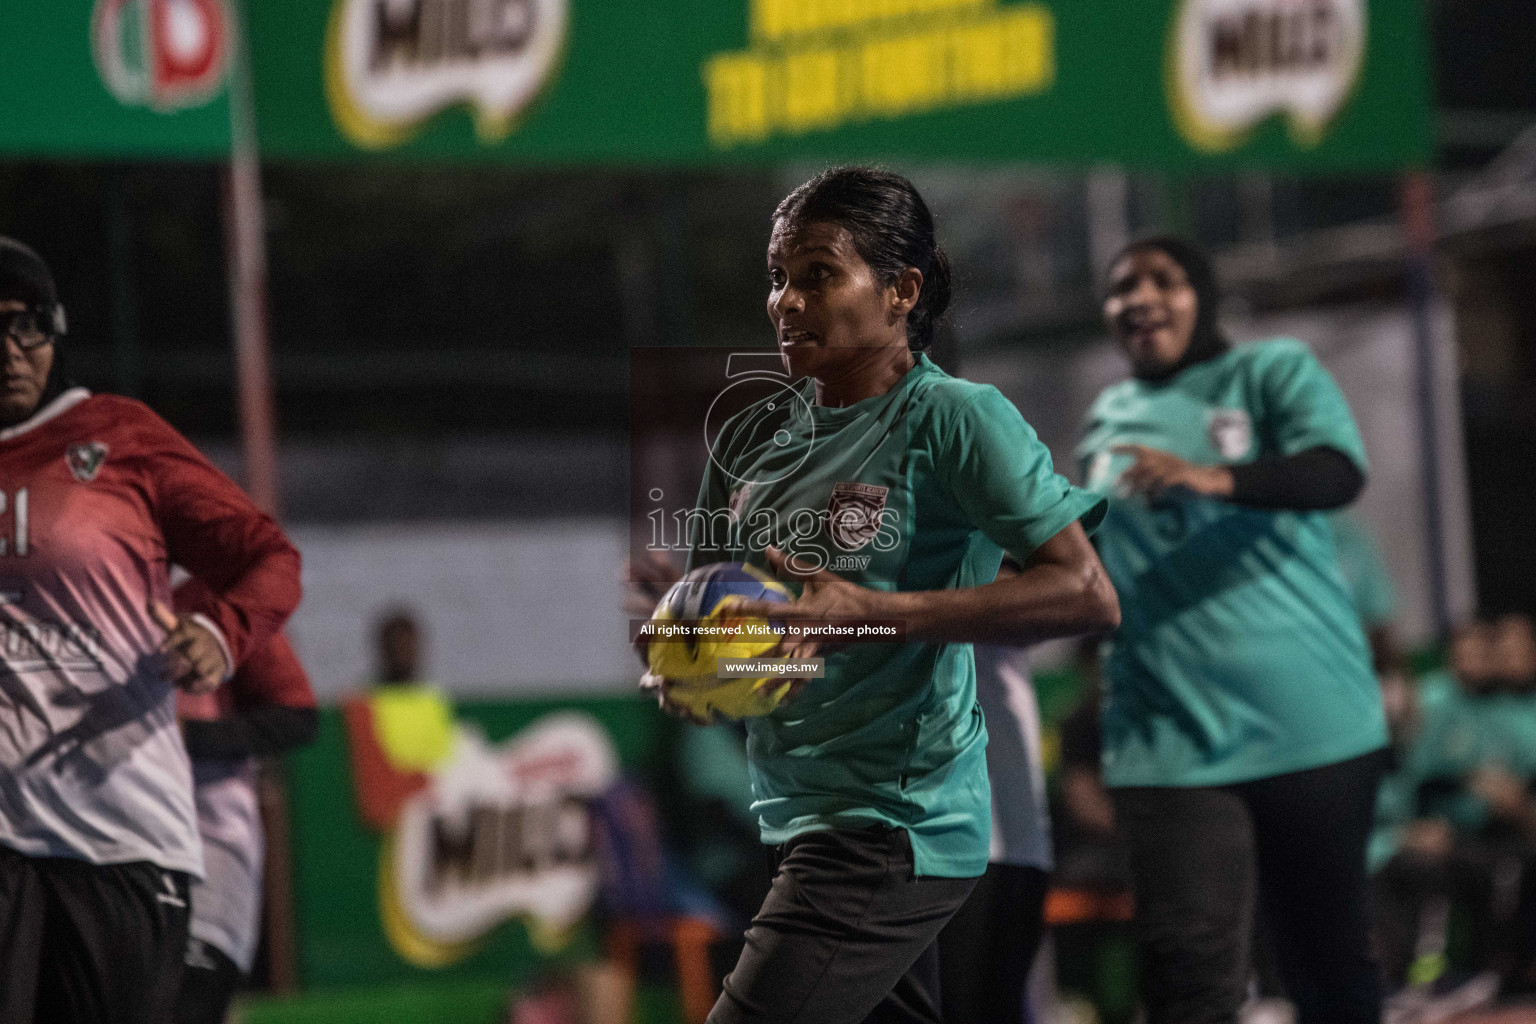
(846, 935)
(1200, 856)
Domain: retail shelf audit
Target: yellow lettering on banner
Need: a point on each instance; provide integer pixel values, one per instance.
(738, 98)
(776, 20)
(977, 59)
(948, 53)
(810, 91)
(764, 19)
(1029, 49)
(901, 75)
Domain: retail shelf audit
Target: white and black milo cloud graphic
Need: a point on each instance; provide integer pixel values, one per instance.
(1232, 63)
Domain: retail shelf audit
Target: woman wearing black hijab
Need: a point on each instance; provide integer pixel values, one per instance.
(1243, 727)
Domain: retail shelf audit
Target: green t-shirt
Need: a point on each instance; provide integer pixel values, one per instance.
(922, 488)
(1366, 575)
(1239, 654)
(1460, 733)
(1457, 734)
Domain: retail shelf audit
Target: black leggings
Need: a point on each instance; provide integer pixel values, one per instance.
(1200, 855)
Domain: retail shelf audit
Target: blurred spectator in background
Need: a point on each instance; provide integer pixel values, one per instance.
(987, 948)
(399, 730)
(1464, 846)
(1089, 905)
(399, 648)
(413, 716)
(1089, 856)
(267, 708)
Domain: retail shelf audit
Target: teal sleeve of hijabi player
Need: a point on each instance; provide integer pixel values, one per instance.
(1302, 404)
(1001, 477)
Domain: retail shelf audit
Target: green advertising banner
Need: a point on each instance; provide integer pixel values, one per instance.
(1298, 85)
(115, 78)
(1174, 84)
(460, 874)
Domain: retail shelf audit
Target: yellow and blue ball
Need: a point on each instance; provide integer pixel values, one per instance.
(704, 597)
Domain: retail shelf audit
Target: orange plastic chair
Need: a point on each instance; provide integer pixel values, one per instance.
(1080, 906)
(689, 938)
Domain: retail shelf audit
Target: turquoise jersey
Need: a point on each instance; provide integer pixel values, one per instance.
(922, 488)
(1460, 733)
(1365, 572)
(1457, 734)
(1239, 655)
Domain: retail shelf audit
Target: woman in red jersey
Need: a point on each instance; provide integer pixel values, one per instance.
(98, 832)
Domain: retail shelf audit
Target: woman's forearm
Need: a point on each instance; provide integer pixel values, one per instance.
(1045, 601)
(1317, 479)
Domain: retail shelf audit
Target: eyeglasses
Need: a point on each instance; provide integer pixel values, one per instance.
(26, 328)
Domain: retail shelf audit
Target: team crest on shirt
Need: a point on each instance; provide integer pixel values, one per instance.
(1230, 431)
(853, 514)
(738, 501)
(85, 460)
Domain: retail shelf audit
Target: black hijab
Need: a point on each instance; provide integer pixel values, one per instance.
(26, 278)
(1206, 341)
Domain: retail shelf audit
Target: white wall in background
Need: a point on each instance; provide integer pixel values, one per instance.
(509, 607)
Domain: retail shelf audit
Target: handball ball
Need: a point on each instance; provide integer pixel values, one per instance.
(704, 597)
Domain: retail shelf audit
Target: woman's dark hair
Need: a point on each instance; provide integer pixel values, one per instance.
(1206, 341)
(891, 228)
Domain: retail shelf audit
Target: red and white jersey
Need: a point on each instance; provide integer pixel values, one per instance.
(98, 496)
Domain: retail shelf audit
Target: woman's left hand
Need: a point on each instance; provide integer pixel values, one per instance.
(1154, 472)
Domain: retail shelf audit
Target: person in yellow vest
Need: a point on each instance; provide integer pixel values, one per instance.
(399, 731)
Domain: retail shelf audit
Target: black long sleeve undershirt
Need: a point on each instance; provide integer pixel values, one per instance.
(257, 732)
(1317, 479)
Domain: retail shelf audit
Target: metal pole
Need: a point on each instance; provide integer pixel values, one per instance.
(1416, 202)
(247, 255)
(245, 235)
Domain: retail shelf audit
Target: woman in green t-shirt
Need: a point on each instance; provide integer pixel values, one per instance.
(1243, 727)
(871, 781)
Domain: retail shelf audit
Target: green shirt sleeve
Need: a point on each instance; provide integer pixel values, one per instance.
(1302, 405)
(1001, 477)
(713, 500)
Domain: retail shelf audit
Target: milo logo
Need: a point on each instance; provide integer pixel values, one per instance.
(1233, 63)
(391, 64)
(162, 54)
(498, 832)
